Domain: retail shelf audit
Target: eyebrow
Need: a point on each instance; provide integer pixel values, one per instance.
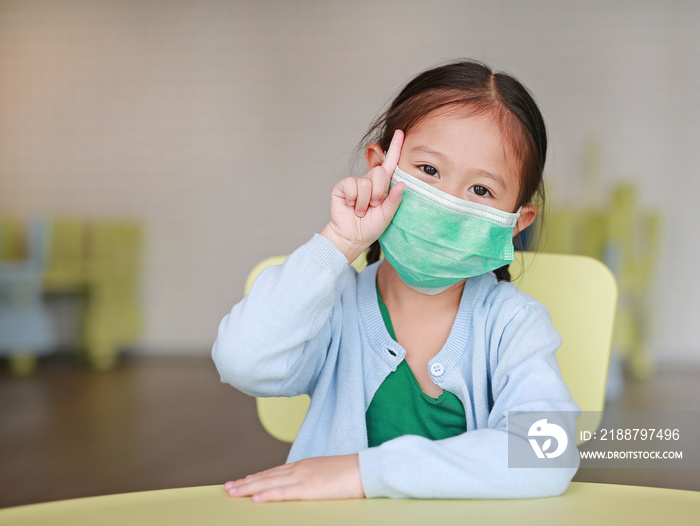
(425, 149)
(494, 177)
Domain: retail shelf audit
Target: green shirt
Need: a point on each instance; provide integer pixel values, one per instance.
(400, 407)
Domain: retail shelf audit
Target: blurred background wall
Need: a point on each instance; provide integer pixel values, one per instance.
(223, 125)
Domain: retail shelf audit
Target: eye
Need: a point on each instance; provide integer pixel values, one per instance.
(428, 170)
(481, 191)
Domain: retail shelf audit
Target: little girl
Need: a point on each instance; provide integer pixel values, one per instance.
(413, 364)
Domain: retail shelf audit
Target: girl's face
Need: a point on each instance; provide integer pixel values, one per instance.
(464, 156)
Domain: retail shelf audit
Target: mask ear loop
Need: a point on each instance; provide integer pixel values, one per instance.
(519, 241)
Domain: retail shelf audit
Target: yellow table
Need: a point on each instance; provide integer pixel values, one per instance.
(583, 503)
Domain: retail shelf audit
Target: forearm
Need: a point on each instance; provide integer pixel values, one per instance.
(471, 466)
(271, 339)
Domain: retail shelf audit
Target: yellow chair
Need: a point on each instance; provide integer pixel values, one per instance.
(66, 260)
(581, 295)
(113, 318)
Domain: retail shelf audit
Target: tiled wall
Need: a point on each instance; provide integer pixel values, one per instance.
(224, 124)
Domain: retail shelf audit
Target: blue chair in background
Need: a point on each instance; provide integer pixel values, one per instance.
(26, 325)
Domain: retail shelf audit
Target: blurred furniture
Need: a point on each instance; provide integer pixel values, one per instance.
(98, 262)
(626, 238)
(581, 295)
(581, 503)
(26, 326)
(113, 319)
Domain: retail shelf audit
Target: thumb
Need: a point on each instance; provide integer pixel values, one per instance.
(392, 201)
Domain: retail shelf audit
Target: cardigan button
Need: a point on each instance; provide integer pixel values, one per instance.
(437, 369)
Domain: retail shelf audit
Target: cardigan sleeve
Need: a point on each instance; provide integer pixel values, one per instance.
(475, 464)
(273, 342)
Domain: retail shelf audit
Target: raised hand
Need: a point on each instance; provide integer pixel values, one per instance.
(362, 207)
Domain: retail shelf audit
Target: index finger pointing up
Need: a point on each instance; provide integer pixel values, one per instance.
(391, 159)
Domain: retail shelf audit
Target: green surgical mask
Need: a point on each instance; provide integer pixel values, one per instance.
(436, 240)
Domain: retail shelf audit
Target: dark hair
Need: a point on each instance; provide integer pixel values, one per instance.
(479, 90)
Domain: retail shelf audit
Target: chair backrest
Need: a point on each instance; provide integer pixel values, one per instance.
(581, 295)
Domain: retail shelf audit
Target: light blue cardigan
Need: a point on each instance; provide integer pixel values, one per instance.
(313, 325)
